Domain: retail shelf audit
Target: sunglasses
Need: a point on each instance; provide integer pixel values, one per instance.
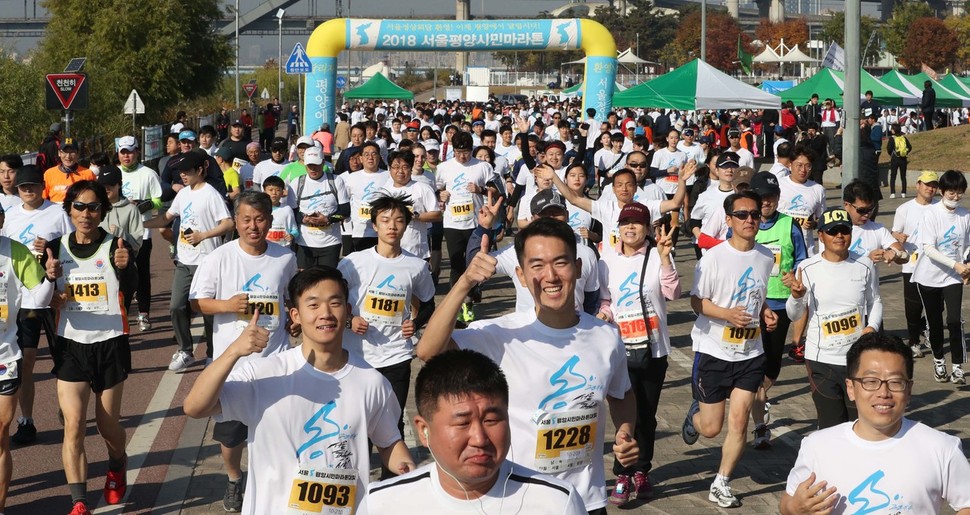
(862, 210)
(637, 165)
(81, 206)
(839, 229)
(754, 214)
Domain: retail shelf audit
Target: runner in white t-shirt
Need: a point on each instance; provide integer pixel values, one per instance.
(463, 419)
(559, 381)
(271, 167)
(729, 292)
(231, 284)
(424, 207)
(9, 164)
(320, 201)
(942, 271)
(869, 239)
(882, 462)
(635, 283)
(386, 283)
(906, 228)
(667, 163)
(310, 410)
(362, 186)
(203, 220)
(840, 294)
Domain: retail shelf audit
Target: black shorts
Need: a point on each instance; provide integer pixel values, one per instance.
(30, 322)
(8, 385)
(713, 379)
(102, 364)
(231, 433)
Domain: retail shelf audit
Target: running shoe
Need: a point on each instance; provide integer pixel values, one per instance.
(180, 361)
(80, 508)
(762, 437)
(232, 501)
(621, 493)
(917, 351)
(956, 377)
(642, 487)
(688, 432)
(939, 371)
(26, 432)
(797, 352)
(143, 323)
(115, 485)
(721, 494)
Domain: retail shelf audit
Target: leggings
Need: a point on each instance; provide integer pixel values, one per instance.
(457, 241)
(914, 310)
(897, 164)
(143, 261)
(647, 384)
(934, 301)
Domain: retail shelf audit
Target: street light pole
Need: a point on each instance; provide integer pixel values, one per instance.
(279, 60)
(237, 54)
(704, 30)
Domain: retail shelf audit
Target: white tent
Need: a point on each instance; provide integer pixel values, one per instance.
(795, 55)
(767, 55)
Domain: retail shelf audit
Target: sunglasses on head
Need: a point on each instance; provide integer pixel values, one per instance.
(81, 206)
(838, 229)
(754, 214)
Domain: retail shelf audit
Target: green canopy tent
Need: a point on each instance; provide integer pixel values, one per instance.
(956, 85)
(829, 83)
(945, 97)
(696, 85)
(379, 87)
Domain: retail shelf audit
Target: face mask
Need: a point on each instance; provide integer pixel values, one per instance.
(951, 204)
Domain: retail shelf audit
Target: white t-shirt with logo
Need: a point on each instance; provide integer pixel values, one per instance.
(907, 221)
(49, 221)
(867, 238)
(301, 418)
(141, 184)
(229, 270)
(842, 299)
(913, 472)
(620, 282)
(322, 196)
(199, 210)
(461, 210)
(415, 239)
(949, 232)
(557, 380)
(802, 201)
(663, 159)
(7, 202)
(362, 187)
(266, 169)
(729, 277)
(381, 291)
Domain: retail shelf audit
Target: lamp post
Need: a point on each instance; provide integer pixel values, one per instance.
(279, 60)
(237, 54)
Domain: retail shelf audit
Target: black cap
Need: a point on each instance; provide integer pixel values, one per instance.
(69, 144)
(29, 174)
(238, 122)
(728, 160)
(109, 175)
(765, 184)
(734, 133)
(224, 152)
(834, 217)
(188, 161)
(546, 199)
(279, 144)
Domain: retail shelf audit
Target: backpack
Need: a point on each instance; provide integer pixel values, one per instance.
(902, 149)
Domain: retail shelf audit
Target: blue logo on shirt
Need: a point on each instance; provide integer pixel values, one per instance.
(253, 284)
(27, 235)
(567, 380)
(319, 434)
(949, 241)
(629, 288)
(872, 499)
(387, 283)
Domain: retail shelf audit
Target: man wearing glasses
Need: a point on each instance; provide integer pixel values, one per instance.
(276, 162)
(729, 292)
(883, 461)
(869, 238)
(840, 292)
(57, 179)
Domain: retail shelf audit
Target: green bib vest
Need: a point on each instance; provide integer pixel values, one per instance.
(778, 240)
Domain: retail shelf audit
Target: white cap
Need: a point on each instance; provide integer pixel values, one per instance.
(631, 124)
(313, 156)
(128, 143)
(305, 140)
(430, 145)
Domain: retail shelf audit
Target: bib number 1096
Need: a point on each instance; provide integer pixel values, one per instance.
(841, 325)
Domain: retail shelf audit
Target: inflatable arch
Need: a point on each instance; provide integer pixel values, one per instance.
(338, 34)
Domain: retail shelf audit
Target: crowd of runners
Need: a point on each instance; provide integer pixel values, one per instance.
(314, 263)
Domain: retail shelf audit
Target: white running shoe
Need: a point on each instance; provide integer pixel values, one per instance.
(956, 377)
(721, 494)
(180, 361)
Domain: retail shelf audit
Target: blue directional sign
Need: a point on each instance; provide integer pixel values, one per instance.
(298, 61)
(341, 82)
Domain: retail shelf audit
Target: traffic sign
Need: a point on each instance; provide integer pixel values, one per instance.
(250, 89)
(67, 91)
(298, 61)
(341, 82)
(134, 104)
(264, 94)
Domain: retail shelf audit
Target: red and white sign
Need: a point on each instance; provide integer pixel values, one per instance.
(66, 86)
(250, 89)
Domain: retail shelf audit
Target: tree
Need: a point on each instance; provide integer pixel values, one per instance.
(794, 32)
(896, 30)
(960, 25)
(722, 40)
(929, 41)
(169, 51)
(645, 30)
(22, 112)
(834, 30)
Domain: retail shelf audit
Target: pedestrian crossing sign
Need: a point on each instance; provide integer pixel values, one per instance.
(298, 61)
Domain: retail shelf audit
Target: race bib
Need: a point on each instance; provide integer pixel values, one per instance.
(635, 328)
(87, 292)
(614, 237)
(740, 339)
(363, 213)
(913, 257)
(329, 491)
(462, 206)
(276, 235)
(775, 251)
(672, 178)
(383, 307)
(565, 440)
(269, 310)
(840, 328)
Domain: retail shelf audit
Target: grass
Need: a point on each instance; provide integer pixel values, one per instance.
(938, 150)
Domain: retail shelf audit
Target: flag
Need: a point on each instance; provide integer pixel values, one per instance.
(744, 57)
(834, 58)
(929, 71)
